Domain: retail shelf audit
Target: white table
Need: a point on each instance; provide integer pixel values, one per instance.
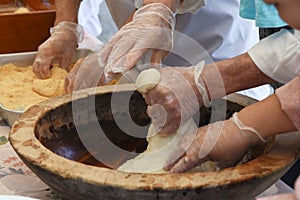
(17, 179)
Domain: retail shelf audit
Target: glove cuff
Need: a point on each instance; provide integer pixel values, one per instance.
(160, 10)
(184, 6)
(201, 85)
(74, 28)
(244, 128)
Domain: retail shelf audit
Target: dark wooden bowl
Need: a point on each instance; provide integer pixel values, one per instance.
(74, 143)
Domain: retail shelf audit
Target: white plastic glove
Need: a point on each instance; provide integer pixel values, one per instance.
(61, 45)
(86, 73)
(150, 30)
(184, 6)
(224, 142)
(177, 97)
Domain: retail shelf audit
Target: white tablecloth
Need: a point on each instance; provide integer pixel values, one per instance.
(17, 179)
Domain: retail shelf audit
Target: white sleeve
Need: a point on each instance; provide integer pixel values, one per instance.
(185, 6)
(278, 56)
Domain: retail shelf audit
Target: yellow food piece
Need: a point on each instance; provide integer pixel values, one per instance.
(21, 89)
(22, 10)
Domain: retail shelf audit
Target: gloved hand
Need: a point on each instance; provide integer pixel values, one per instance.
(224, 142)
(183, 6)
(86, 73)
(150, 30)
(61, 45)
(174, 100)
(178, 96)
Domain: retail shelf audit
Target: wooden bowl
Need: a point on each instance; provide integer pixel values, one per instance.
(60, 141)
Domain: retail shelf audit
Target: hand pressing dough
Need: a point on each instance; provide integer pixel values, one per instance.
(159, 147)
(158, 150)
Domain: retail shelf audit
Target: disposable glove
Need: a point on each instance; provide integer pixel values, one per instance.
(179, 95)
(224, 142)
(151, 30)
(61, 45)
(183, 6)
(86, 73)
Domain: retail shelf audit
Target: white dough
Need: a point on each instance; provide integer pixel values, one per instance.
(158, 150)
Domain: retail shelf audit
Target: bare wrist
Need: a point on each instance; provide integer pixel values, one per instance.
(67, 10)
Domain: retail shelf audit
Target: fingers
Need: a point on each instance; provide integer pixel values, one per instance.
(41, 68)
(164, 123)
(164, 110)
(86, 73)
(66, 59)
(185, 163)
(174, 157)
(70, 79)
(123, 58)
(185, 156)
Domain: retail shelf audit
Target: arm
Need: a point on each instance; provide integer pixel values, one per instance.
(267, 117)
(65, 36)
(237, 74)
(227, 145)
(210, 82)
(66, 10)
(276, 57)
(276, 114)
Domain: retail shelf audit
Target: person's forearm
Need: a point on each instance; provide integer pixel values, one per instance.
(67, 10)
(237, 74)
(267, 117)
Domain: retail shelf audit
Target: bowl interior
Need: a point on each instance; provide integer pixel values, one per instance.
(73, 143)
(103, 130)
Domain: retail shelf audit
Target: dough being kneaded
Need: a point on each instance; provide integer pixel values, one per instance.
(158, 150)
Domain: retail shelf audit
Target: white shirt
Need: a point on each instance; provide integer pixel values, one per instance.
(278, 56)
(88, 17)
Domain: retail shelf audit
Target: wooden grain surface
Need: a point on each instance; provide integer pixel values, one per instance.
(24, 32)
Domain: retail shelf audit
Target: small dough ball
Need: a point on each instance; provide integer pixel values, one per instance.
(147, 80)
